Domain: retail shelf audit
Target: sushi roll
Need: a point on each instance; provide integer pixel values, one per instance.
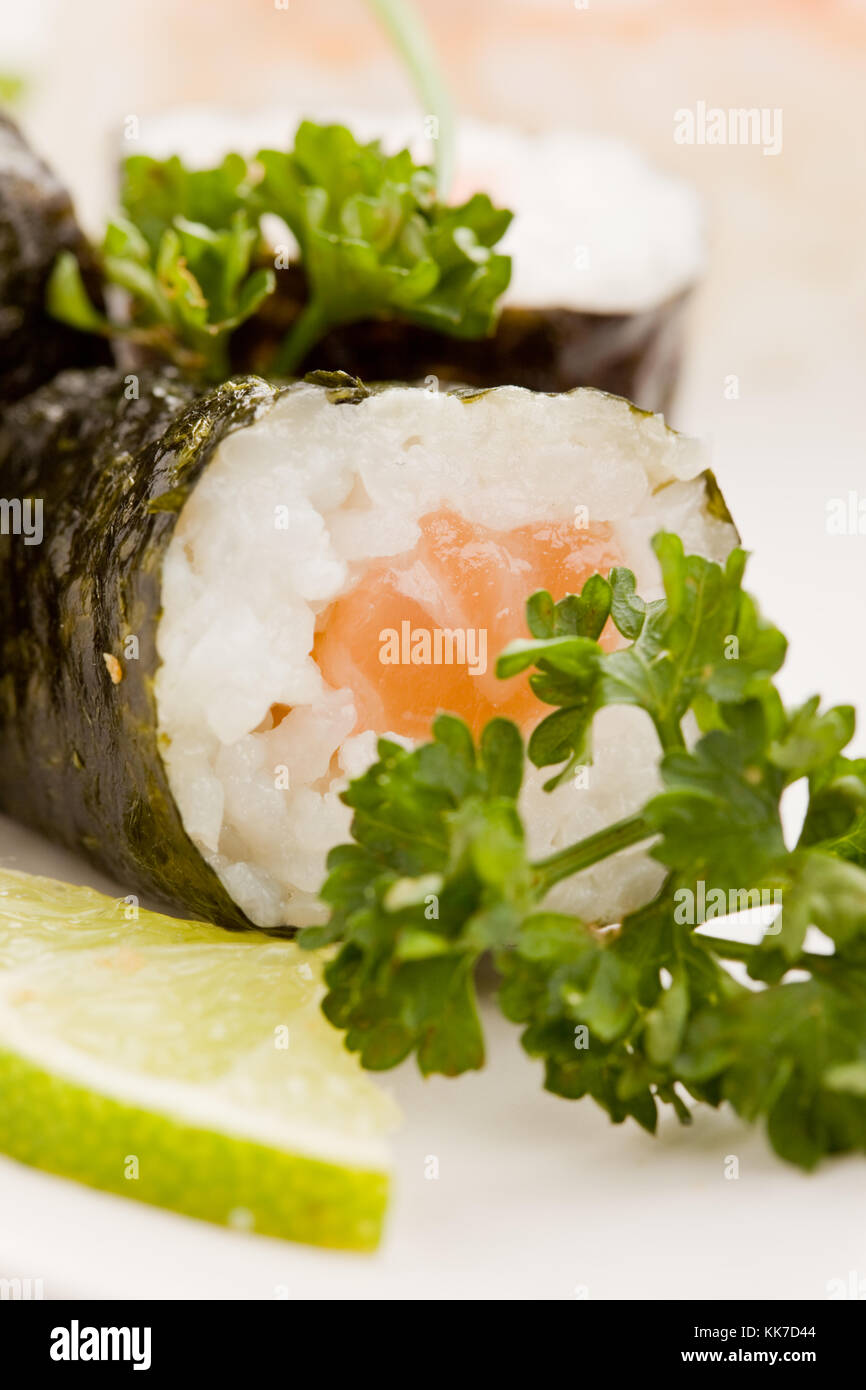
(605, 248)
(37, 222)
(237, 593)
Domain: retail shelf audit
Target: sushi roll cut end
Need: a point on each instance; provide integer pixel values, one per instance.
(344, 571)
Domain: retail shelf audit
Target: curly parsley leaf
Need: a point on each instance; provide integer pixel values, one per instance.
(156, 191)
(186, 292)
(183, 251)
(437, 875)
(703, 645)
(375, 241)
(564, 650)
(836, 818)
(646, 1014)
(794, 1055)
(703, 640)
(719, 820)
(607, 1013)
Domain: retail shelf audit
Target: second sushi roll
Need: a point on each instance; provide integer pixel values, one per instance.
(606, 251)
(238, 592)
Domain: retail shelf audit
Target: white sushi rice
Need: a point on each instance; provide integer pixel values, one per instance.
(289, 515)
(596, 227)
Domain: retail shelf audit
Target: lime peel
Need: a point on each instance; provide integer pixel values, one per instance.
(142, 1057)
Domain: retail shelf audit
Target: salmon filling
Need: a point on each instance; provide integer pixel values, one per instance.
(421, 632)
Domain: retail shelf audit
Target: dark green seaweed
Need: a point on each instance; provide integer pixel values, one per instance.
(79, 755)
(546, 349)
(36, 222)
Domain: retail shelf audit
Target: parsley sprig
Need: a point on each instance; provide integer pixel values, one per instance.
(375, 240)
(646, 1013)
(182, 250)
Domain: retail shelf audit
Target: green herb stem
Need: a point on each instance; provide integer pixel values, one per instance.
(409, 35)
(309, 327)
(590, 850)
(670, 734)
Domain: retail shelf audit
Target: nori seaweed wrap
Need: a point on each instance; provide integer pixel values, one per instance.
(37, 222)
(79, 757)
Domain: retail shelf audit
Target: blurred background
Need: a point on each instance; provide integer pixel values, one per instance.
(783, 305)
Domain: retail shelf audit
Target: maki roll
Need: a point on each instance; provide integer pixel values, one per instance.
(238, 592)
(605, 251)
(37, 222)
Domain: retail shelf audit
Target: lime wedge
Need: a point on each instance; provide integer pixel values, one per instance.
(185, 1066)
